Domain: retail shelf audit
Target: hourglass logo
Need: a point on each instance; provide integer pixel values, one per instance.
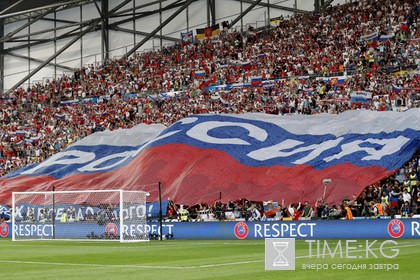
(279, 254)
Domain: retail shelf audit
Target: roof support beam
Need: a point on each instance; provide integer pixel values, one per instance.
(79, 24)
(146, 13)
(211, 12)
(316, 5)
(326, 4)
(41, 61)
(55, 6)
(1, 57)
(60, 51)
(104, 28)
(52, 39)
(275, 6)
(119, 6)
(156, 30)
(163, 37)
(139, 7)
(11, 6)
(238, 18)
(98, 9)
(30, 22)
(60, 20)
(113, 26)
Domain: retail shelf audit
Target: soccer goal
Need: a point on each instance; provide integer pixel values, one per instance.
(117, 215)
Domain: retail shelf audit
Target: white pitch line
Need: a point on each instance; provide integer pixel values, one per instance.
(160, 245)
(95, 265)
(130, 266)
(221, 264)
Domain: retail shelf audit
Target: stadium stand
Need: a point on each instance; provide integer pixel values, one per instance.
(309, 64)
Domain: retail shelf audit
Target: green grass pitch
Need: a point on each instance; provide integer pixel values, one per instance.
(181, 259)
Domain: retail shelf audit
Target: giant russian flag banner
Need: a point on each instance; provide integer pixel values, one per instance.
(256, 156)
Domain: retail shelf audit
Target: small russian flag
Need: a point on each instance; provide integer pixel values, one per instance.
(199, 74)
(388, 37)
(396, 88)
(246, 64)
(256, 80)
(308, 89)
(61, 116)
(237, 85)
(35, 139)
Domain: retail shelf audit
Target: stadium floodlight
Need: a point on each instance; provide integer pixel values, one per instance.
(117, 215)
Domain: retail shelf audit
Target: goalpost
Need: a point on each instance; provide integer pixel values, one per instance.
(116, 215)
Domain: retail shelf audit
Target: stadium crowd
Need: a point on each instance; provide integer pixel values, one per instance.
(309, 64)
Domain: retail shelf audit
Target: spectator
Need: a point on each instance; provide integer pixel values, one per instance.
(379, 207)
(172, 210)
(385, 202)
(325, 211)
(255, 213)
(307, 210)
(292, 209)
(270, 211)
(366, 213)
(319, 205)
(406, 210)
(406, 196)
(374, 211)
(355, 206)
(184, 214)
(63, 218)
(418, 203)
(281, 213)
(335, 213)
(296, 213)
(348, 213)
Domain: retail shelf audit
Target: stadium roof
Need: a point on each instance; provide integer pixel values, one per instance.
(15, 10)
(19, 36)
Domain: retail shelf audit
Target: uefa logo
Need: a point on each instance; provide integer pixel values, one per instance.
(111, 229)
(4, 230)
(396, 228)
(241, 230)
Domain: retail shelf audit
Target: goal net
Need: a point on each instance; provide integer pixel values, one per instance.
(80, 215)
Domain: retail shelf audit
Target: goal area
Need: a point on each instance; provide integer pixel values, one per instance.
(115, 215)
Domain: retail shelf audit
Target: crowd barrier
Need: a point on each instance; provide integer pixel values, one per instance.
(314, 229)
